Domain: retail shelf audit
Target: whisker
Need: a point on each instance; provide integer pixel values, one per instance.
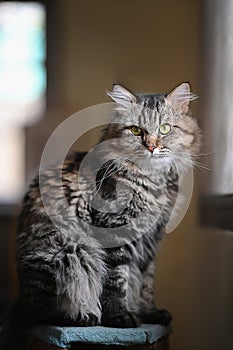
(205, 154)
(108, 164)
(187, 158)
(215, 152)
(200, 165)
(111, 173)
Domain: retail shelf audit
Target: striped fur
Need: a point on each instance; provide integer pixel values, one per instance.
(67, 276)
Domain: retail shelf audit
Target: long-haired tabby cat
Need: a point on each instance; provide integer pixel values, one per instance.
(67, 275)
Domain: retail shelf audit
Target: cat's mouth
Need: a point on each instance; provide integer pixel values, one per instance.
(157, 153)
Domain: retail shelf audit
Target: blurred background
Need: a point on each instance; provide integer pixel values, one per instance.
(57, 57)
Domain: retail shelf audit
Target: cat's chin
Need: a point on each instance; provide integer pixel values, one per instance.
(162, 161)
(157, 163)
(158, 158)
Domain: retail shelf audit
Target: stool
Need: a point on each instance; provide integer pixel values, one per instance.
(146, 336)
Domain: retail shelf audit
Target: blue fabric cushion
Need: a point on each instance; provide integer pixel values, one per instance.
(63, 337)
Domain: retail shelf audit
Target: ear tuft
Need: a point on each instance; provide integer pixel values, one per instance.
(180, 97)
(121, 95)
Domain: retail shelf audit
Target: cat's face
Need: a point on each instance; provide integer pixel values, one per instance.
(157, 128)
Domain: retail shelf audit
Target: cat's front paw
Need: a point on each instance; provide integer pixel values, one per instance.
(157, 316)
(123, 320)
(90, 321)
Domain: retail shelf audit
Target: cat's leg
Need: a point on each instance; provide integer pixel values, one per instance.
(115, 308)
(149, 313)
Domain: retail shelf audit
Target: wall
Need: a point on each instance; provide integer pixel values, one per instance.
(149, 46)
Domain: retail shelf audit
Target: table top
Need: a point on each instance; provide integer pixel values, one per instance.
(65, 336)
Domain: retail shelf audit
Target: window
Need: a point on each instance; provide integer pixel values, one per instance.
(22, 87)
(218, 111)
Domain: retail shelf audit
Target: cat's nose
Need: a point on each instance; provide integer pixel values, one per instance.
(158, 148)
(151, 148)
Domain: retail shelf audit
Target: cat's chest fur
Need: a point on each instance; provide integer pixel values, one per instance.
(127, 195)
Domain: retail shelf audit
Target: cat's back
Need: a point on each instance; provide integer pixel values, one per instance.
(46, 194)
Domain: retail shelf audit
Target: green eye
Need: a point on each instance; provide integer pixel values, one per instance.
(136, 131)
(165, 129)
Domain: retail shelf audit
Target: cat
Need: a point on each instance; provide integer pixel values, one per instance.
(69, 274)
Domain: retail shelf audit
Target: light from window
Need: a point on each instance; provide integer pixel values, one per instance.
(22, 87)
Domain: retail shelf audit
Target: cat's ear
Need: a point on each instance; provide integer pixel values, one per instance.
(180, 97)
(121, 95)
